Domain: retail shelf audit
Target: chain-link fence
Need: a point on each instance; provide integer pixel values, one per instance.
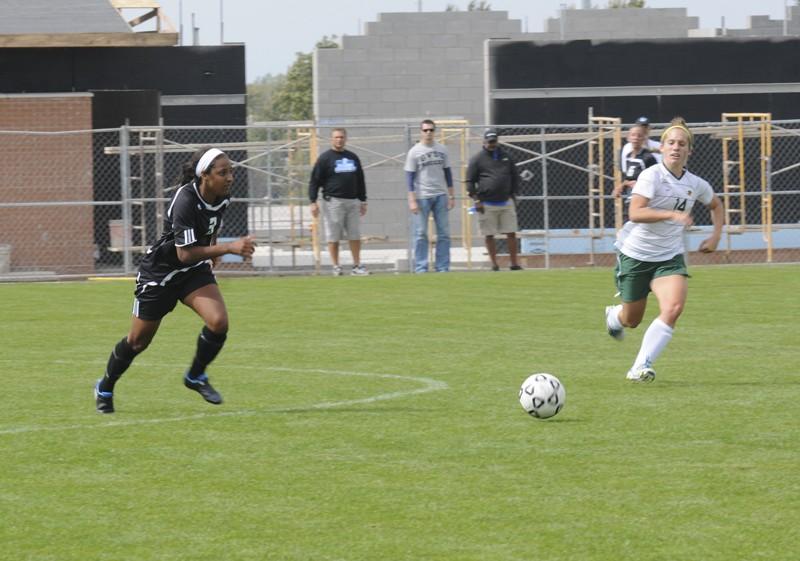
(87, 203)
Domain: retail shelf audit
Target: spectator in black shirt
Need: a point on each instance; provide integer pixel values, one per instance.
(178, 267)
(340, 175)
(493, 181)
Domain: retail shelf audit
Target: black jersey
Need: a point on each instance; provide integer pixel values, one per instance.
(339, 174)
(637, 163)
(189, 221)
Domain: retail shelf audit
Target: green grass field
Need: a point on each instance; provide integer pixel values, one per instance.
(377, 419)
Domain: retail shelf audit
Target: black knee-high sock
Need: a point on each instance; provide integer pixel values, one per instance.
(209, 344)
(119, 361)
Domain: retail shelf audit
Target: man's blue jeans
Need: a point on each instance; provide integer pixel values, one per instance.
(437, 205)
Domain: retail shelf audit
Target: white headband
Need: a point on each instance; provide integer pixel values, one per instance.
(206, 161)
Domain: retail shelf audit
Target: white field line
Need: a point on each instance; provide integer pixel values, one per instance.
(428, 385)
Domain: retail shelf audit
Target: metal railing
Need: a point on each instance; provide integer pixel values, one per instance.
(86, 203)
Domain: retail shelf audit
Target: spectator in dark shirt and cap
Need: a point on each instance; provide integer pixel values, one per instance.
(493, 182)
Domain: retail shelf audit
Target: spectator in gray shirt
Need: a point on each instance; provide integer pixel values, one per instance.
(430, 190)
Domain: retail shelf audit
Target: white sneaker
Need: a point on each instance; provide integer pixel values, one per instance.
(337, 271)
(359, 271)
(618, 334)
(644, 375)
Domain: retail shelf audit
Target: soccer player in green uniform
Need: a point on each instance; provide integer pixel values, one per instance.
(650, 247)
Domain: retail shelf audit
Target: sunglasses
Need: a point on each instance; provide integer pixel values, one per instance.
(428, 130)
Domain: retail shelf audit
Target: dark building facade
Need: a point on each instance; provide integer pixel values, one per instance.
(141, 86)
(697, 78)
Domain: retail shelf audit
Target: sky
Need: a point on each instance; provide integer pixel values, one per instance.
(273, 31)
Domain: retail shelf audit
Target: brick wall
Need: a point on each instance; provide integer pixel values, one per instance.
(46, 169)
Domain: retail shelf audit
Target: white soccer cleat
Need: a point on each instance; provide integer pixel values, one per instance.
(644, 375)
(616, 333)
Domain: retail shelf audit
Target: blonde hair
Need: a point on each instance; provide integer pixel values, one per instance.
(678, 123)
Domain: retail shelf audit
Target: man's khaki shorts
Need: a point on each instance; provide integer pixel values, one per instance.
(342, 218)
(498, 220)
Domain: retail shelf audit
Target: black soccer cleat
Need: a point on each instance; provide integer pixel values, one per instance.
(104, 401)
(202, 386)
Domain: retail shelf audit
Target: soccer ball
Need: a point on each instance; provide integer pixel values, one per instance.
(542, 395)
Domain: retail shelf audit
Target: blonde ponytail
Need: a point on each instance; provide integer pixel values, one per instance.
(678, 123)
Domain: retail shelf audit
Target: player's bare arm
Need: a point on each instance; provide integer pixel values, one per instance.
(194, 254)
(709, 244)
(640, 212)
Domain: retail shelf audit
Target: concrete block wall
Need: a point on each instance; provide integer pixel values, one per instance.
(758, 26)
(54, 168)
(764, 26)
(619, 23)
(431, 63)
(409, 65)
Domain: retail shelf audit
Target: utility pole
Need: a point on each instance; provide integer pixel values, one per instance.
(195, 32)
(785, 18)
(180, 22)
(221, 24)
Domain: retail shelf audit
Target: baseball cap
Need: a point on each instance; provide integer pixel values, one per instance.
(643, 121)
(490, 134)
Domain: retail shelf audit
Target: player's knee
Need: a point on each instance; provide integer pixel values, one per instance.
(631, 320)
(218, 324)
(672, 311)
(139, 344)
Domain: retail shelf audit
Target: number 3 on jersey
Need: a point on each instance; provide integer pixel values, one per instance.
(212, 223)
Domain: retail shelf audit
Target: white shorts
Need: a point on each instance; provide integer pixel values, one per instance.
(342, 217)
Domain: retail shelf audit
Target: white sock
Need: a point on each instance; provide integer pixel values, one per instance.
(655, 340)
(614, 317)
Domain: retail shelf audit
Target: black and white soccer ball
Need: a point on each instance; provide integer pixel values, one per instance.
(542, 395)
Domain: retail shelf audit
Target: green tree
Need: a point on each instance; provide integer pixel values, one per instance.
(260, 97)
(286, 97)
(293, 97)
(473, 6)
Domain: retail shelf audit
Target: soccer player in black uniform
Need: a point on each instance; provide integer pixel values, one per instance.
(178, 267)
(635, 158)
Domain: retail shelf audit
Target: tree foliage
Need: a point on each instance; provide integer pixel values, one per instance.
(473, 6)
(293, 99)
(287, 97)
(626, 3)
(260, 96)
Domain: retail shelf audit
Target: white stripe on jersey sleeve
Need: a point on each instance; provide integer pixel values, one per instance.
(187, 236)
